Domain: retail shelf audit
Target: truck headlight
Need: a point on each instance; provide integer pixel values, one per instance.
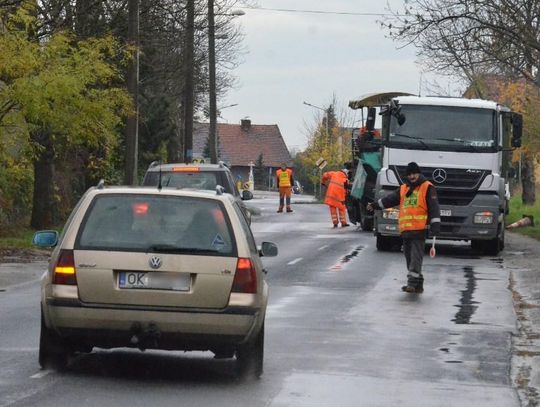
(483, 217)
(390, 213)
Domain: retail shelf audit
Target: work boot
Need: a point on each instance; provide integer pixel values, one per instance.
(412, 290)
(289, 210)
(335, 225)
(414, 285)
(344, 225)
(280, 210)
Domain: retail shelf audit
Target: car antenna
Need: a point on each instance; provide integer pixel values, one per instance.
(159, 186)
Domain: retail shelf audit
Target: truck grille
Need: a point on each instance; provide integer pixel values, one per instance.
(455, 186)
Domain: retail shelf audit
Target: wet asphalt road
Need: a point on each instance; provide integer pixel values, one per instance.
(338, 332)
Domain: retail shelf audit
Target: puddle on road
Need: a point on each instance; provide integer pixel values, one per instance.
(467, 307)
(347, 258)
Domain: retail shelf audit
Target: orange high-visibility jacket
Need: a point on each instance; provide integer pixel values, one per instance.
(335, 193)
(284, 177)
(413, 209)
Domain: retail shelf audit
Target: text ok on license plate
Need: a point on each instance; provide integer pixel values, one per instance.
(154, 280)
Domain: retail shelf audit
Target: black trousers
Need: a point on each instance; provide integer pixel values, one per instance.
(413, 248)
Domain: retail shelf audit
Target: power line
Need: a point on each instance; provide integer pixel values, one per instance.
(346, 13)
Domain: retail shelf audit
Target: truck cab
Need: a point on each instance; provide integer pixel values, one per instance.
(463, 146)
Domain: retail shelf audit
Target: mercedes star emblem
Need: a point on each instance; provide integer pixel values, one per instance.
(155, 262)
(439, 175)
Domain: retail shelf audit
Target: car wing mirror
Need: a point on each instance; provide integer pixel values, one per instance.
(45, 238)
(247, 195)
(268, 249)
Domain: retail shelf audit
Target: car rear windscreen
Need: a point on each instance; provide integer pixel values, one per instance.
(195, 180)
(158, 224)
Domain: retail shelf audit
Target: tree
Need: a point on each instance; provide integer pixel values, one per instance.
(472, 38)
(61, 88)
(333, 146)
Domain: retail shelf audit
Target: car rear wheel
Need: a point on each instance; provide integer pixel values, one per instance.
(53, 352)
(250, 357)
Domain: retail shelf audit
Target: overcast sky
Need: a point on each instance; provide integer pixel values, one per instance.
(296, 57)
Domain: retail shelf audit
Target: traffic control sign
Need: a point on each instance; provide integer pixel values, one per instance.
(321, 163)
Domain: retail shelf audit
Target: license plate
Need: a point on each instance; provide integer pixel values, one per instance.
(446, 212)
(154, 281)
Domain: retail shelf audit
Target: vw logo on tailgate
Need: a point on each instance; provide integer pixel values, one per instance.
(439, 175)
(155, 262)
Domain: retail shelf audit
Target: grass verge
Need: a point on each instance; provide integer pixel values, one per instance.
(20, 238)
(518, 210)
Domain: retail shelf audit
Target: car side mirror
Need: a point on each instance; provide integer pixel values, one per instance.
(268, 249)
(45, 238)
(247, 195)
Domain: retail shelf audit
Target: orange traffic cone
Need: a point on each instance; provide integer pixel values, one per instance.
(527, 220)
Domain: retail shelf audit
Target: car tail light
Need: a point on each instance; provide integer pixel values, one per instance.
(64, 270)
(140, 208)
(245, 278)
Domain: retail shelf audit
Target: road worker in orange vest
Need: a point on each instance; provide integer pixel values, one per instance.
(285, 181)
(337, 185)
(418, 209)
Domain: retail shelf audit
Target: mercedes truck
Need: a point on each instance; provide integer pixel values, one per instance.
(464, 147)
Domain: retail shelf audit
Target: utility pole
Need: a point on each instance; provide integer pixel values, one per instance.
(212, 135)
(212, 91)
(132, 124)
(188, 91)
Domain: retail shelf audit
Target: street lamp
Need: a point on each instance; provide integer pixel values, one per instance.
(219, 109)
(212, 131)
(326, 113)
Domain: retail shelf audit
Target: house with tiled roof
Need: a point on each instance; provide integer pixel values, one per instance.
(242, 144)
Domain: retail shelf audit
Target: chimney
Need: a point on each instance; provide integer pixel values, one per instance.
(245, 124)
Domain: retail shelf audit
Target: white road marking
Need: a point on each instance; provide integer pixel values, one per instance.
(323, 247)
(40, 374)
(20, 349)
(295, 261)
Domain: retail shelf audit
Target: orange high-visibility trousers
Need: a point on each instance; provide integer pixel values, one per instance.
(284, 197)
(342, 216)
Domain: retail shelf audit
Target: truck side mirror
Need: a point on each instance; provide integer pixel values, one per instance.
(517, 129)
(370, 121)
(395, 110)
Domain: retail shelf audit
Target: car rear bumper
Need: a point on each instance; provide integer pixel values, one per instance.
(164, 328)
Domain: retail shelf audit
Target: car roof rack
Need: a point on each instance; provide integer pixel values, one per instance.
(154, 164)
(100, 184)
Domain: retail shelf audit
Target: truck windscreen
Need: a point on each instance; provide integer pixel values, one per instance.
(444, 128)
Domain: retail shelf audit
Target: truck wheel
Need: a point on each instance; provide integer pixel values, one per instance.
(53, 352)
(250, 357)
(496, 245)
(384, 243)
(492, 247)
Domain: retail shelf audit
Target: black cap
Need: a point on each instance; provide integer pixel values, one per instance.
(412, 168)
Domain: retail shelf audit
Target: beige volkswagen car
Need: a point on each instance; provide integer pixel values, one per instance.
(154, 269)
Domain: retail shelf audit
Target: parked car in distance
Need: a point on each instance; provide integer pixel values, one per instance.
(196, 176)
(154, 269)
(297, 188)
